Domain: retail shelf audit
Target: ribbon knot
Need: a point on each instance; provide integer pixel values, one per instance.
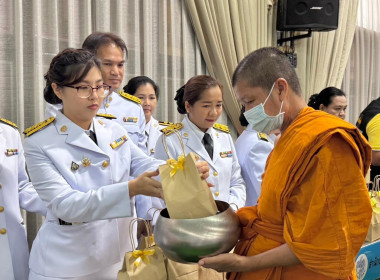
(176, 164)
(142, 256)
(374, 198)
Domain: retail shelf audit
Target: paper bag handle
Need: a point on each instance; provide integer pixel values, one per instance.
(166, 146)
(131, 231)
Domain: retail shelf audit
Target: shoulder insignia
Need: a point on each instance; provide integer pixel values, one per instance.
(8, 122)
(29, 131)
(171, 128)
(107, 116)
(165, 123)
(130, 97)
(262, 136)
(221, 127)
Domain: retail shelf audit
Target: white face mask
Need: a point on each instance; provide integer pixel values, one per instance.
(260, 121)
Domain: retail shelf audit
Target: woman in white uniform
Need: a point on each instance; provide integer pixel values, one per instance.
(80, 167)
(15, 191)
(201, 101)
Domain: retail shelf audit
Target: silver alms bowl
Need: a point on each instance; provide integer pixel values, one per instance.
(189, 240)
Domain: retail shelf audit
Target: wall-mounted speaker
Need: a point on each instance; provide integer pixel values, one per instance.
(302, 15)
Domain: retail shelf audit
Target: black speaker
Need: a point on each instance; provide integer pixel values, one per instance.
(302, 15)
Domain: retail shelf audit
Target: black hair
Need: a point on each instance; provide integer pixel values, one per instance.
(97, 39)
(68, 67)
(134, 83)
(325, 97)
(263, 67)
(192, 90)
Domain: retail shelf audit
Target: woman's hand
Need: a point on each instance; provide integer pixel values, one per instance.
(146, 185)
(203, 169)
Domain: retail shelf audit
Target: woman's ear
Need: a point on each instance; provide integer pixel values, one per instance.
(187, 107)
(322, 107)
(57, 90)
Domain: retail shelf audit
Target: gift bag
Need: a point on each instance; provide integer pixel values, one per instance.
(374, 195)
(148, 263)
(148, 240)
(186, 195)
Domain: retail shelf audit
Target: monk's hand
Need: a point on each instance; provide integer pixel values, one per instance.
(225, 263)
(203, 169)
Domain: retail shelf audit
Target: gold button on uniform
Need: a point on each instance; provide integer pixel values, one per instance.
(63, 128)
(105, 163)
(1, 186)
(110, 99)
(3, 231)
(1, 208)
(100, 122)
(107, 105)
(215, 173)
(186, 134)
(216, 193)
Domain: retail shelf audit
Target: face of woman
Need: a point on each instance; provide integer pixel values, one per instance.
(148, 100)
(79, 110)
(207, 109)
(337, 107)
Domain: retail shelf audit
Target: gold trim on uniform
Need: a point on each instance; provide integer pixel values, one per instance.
(63, 128)
(99, 121)
(105, 164)
(262, 136)
(29, 131)
(130, 97)
(107, 116)
(86, 162)
(221, 127)
(8, 122)
(74, 166)
(165, 123)
(171, 128)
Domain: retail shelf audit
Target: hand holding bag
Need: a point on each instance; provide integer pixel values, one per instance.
(187, 196)
(143, 264)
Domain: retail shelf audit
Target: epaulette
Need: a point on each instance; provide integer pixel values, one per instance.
(29, 131)
(221, 127)
(130, 97)
(262, 136)
(107, 116)
(8, 122)
(165, 123)
(171, 128)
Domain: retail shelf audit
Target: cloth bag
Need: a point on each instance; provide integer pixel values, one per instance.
(187, 196)
(374, 228)
(148, 263)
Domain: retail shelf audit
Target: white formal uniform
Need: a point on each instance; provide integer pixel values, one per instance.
(128, 113)
(15, 191)
(252, 150)
(153, 132)
(225, 173)
(85, 184)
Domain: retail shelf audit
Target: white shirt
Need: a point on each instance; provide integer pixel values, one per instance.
(252, 152)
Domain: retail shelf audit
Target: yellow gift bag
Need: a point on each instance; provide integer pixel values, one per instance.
(187, 196)
(148, 263)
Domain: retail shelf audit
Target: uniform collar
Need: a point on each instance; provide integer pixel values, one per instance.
(199, 133)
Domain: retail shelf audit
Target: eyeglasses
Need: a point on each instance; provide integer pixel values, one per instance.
(85, 91)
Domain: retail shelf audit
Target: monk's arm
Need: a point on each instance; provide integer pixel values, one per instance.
(279, 256)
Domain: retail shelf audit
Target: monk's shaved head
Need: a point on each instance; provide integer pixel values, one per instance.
(263, 67)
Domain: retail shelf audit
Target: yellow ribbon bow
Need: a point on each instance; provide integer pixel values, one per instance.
(374, 198)
(142, 256)
(175, 165)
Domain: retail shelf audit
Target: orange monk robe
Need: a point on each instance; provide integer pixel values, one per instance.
(314, 198)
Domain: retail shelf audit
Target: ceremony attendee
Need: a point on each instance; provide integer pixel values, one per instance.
(330, 100)
(252, 149)
(15, 192)
(81, 168)
(313, 213)
(201, 100)
(369, 124)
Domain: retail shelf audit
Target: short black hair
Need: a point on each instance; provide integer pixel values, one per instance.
(134, 83)
(97, 39)
(325, 97)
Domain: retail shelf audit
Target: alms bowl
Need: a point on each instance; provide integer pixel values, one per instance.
(189, 240)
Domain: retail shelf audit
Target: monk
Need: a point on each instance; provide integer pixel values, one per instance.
(314, 211)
